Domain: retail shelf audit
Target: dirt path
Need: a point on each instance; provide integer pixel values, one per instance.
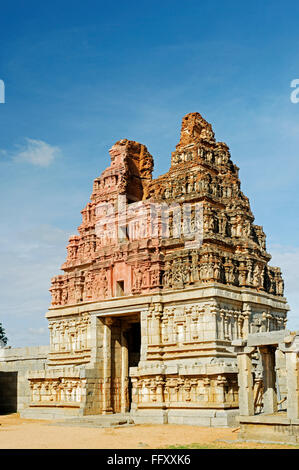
(17, 433)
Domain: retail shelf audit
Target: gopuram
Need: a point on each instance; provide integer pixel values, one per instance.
(163, 275)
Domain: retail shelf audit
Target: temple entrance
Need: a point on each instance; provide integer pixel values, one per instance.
(122, 341)
(134, 343)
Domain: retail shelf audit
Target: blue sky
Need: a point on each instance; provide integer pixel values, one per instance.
(81, 75)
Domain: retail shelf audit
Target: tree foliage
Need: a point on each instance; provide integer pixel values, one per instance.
(3, 337)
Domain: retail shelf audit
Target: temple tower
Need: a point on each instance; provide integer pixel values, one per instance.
(162, 276)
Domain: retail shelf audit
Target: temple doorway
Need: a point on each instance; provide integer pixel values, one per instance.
(134, 343)
(125, 353)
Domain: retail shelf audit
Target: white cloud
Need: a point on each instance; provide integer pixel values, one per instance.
(37, 152)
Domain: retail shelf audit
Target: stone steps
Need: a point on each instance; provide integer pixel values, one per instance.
(98, 421)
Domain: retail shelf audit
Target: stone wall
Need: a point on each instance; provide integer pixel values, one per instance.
(15, 363)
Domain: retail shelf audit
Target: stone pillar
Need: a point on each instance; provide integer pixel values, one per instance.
(292, 370)
(107, 408)
(245, 382)
(210, 329)
(269, 379)
(281, 377)
(246, 315)
(124, 370)
(171, 333)
(145, 333)
(221, 332)
(220, 389)
(156, 325)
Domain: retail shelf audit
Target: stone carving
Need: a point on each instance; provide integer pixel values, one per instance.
(57, 391)
(70, 334)
(193, 268)
(181, 391)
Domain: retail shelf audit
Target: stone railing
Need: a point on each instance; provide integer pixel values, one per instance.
(186, 389)
(58, 387)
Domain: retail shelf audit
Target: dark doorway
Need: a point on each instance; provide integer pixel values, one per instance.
(133, 335)
(8, 392)
(125, 353)
(134, 344)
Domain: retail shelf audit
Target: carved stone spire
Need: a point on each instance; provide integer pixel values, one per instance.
(195, 129)
(233, 249)
(129, 173)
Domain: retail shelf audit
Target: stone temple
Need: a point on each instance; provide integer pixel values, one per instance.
(162, 277)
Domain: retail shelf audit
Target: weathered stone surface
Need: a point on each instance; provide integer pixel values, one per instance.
(15, 364)
(269, 338)
(277, 393)
(162, 276)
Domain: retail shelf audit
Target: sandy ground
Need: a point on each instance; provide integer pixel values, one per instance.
(17, 433)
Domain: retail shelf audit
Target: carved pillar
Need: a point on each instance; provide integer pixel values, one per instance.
(171, 325)
(236, 325)
(164, 328)
(269, 379)
(124, 370)
(211, 322)
(221, 333)
(246, 323)
(160, 388)
(145, 334)
(52, 342)
(245, 382)
(228, 326)
(156, 326)
(292, 369)
(107, 408)
(188, 336)
(240, 321)
(135, 392)
(220, 384)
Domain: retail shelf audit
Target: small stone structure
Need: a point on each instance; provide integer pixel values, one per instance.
(15, 363)
(162, 276)
(272, 414)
